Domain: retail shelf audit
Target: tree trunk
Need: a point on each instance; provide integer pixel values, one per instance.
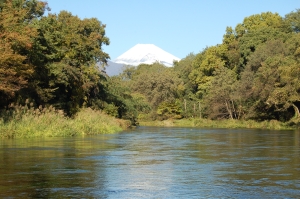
(200, 115)
(233, 108)
(297, 113)
(228, 109)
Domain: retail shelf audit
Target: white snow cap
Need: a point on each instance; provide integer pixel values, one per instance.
(146, 54)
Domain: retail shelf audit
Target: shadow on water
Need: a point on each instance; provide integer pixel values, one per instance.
(154, 162)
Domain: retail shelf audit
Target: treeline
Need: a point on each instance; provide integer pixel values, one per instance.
(254, 74)
(56, 60)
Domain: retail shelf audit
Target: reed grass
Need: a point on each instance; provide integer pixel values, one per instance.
(26, 121)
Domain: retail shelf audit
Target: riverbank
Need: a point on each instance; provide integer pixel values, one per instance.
(206, 123)
(48, 122)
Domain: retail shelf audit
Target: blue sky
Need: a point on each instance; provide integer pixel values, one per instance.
(179, 27)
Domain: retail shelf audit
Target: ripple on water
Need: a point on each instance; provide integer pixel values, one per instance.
(154, 162)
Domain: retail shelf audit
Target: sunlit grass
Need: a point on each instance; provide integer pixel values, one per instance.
(206, 123)
(25, 121)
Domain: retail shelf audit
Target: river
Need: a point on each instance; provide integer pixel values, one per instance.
(154, 162)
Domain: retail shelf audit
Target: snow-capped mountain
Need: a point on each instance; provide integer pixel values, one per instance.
(146, 54)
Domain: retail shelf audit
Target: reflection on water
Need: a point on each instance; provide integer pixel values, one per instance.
(152, 162)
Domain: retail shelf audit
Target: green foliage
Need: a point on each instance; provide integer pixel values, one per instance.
(204, 66)
(156, 82)
(259, 21)
(117, 100)
(265, 91)
(69, 49)
(183, 68)
(220, 98)
(52, 60)
(256, 30)
(250, 74)
(232, 53)
(170, 109)
(111, 109)
(292, 20)
(55, 61)
(249, 42)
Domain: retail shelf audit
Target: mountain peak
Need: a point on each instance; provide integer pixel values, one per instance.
(146, 54)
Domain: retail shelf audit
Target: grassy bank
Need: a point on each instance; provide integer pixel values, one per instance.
(47, 122)
(205, 123)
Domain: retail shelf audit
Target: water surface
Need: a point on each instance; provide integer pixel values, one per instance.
(154, 162)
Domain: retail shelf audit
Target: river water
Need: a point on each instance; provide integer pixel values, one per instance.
(154, 162)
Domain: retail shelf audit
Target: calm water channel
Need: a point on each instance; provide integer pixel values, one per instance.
(153, 162)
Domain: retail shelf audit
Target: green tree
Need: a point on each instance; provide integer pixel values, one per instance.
(156, 82)
(292, 20)
(266, 50)
(183, 68)
(220, 100)
(67, 50)
(258, 22)
(261, 80)
(256, 30)
(170, 110)
(286, 95)
(232, 53)
(204, 66)
(117, 99)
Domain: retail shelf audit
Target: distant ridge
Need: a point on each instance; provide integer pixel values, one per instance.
(113, 68)
(146, 54)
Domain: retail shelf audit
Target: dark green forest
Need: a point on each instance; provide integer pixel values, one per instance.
(57, 60)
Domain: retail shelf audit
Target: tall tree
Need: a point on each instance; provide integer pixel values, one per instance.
(220, 101)
(68, 49)
(293, 20)
(259, 21)
(157, 82)
(204, 66)
(262, 79)
(232, 53)
(286, 95)
(256, 30)
(183, 68)
(16, 40)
